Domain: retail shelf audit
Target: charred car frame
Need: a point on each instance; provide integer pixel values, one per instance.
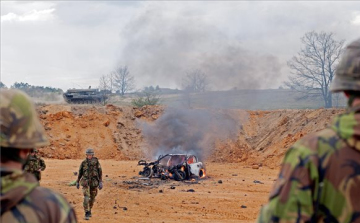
(175, 166)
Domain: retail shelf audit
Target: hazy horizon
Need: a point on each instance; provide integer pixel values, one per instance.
(237, 44)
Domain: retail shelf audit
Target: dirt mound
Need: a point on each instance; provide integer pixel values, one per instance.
(114, 132)
(150, 113)
(267, 135)
(110, 130)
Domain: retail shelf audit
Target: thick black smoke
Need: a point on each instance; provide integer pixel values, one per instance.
(188, 131)
(159, 49)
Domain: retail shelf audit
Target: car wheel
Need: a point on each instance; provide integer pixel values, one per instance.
(148, 172)
(179, 175)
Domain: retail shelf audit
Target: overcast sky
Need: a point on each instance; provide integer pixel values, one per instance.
(237, 44)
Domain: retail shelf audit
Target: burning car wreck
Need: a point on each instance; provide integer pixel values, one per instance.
(174, 166)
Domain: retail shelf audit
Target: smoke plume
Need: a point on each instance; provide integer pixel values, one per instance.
(185, 131)
(159, 49)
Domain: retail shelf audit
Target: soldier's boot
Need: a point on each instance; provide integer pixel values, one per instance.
(87, 217)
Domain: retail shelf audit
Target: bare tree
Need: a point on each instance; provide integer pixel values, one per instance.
(110, 79)
(314, 66)
(105, 87)
(104, 83)
(123, 81)
(195, 81)
(186, 99)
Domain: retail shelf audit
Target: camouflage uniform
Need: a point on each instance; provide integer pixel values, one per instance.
(320, 176)
(22, 200)
(34, 165)
(90, 178)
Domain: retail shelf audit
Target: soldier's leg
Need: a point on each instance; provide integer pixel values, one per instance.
(37, 175)
(86, 203)
(93, 193)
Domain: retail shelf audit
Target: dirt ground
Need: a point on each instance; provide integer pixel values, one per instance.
(212, 200)
(118, 140)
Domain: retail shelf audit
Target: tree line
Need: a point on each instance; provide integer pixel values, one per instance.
(120, 81)
(32, 90)
(312, 71)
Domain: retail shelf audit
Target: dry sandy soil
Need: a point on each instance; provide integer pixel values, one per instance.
(211, 202)
(114, 133)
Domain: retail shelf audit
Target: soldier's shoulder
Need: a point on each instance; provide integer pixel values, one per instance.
(53, 206)
(49, 197)
(46, 192)
(322, 134)
(83, 163)
(325, 139)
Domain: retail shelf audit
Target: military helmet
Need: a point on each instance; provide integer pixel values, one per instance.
(20, 126)
(89, 151)
(347, 74)
(35, 150)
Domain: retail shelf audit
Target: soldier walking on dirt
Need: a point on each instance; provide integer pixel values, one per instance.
(35, 164)
(22, 199)
(90, 178)
(320, 176)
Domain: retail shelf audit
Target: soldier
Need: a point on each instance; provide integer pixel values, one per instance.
(35, 164)
(320, 176)
(22, 199)
(90, 178)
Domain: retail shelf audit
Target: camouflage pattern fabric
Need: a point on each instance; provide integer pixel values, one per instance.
(320, 177)
(90, 175)
(89, 197)
(20, 126)
(22, 200)
(34, 165)
(347, 74)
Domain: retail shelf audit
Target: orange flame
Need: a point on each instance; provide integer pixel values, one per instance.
(202, 173)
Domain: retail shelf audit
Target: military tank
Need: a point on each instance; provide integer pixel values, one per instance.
(84, 96)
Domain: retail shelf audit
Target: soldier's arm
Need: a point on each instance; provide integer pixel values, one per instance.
(26, 167)
(42, 164)
(292, 197)
(100, 171)
(81, 172)
(71, 218)
(66, 212)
